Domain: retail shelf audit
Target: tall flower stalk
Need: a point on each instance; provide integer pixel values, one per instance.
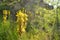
(21, 21)
(5, 13)
(4, 16)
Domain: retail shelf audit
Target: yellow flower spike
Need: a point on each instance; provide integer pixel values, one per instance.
(21, 20)
(5, 12)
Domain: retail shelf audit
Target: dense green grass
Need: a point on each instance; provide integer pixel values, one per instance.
(7, 30)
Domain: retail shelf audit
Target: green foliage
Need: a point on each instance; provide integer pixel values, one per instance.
(7, 32)
(44, 22)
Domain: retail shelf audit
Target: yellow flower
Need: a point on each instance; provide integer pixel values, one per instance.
(4, 11)
(25, 15)
(17, 15)
(17, 20)
(8, 12)
(17, 29)
(22, 14)
(26, 19)
(23, 29)
(4, 18)
(22, 19)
